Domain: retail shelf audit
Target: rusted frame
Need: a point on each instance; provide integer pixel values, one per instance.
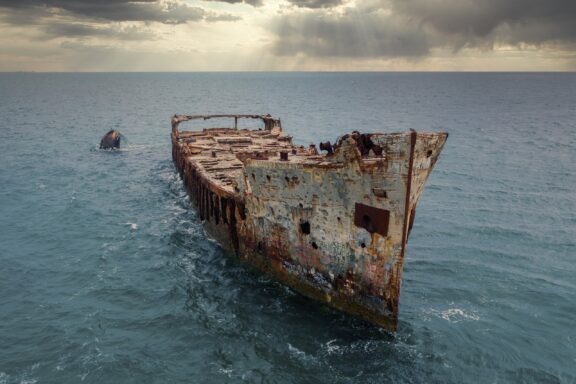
(372, 219)
(207, 117)
(413, 137)
(269, 121)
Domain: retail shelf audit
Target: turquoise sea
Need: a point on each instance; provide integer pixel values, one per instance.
(106, 274)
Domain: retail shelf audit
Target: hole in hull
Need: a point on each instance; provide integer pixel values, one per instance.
(305, 228)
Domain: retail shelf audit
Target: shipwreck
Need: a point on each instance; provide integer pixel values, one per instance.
(330, 222)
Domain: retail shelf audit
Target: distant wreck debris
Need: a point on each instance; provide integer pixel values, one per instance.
(111, 140)
(332, 226)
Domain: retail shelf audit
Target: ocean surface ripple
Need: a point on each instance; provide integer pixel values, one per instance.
(108, 276)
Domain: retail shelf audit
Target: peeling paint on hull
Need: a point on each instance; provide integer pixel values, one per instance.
(332, 226)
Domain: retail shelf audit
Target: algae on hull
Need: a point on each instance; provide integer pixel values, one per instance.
(332, 226)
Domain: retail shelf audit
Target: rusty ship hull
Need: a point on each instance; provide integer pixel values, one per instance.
(333, 226)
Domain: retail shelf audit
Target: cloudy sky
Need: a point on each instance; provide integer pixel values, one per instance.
(261, 35)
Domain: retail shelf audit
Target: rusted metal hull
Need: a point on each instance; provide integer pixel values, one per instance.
(332, 226)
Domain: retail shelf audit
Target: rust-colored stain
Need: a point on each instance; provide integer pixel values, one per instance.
(331, 225)
(372, 219)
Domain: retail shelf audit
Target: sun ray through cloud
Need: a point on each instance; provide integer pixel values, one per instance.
(241, 35)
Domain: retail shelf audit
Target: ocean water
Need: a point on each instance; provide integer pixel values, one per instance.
(106, 275)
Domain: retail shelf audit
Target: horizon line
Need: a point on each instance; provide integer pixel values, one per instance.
(299, 71)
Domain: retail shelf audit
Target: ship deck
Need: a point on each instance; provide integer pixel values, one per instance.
(219, 154)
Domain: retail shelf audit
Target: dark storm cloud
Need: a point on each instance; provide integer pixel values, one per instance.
(85, 30)
(528, 21)
(323, 35)
(114, 10)
(410, 28)
(254, 3)
(101, 18)
(314, 4)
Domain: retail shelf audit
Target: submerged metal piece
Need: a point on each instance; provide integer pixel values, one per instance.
(332, 226)
(110, 140)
